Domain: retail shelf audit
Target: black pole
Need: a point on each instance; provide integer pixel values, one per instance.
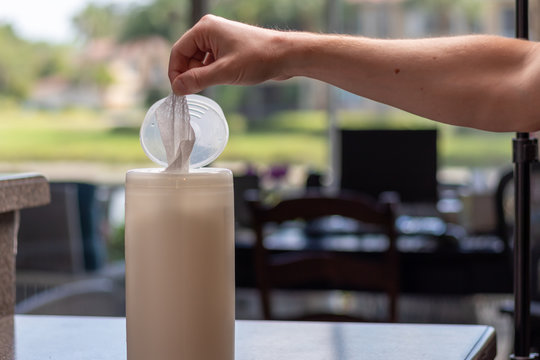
(198, 9)
(525, 152)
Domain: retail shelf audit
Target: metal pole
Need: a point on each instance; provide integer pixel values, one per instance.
(333, 25)
(525, 151)
(199, 8)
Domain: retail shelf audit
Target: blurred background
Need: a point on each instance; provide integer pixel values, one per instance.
(76, 79)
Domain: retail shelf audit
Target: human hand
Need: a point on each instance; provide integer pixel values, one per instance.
(219, 51)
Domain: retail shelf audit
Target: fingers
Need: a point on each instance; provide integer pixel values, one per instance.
(198, 78)
(188, 52)
(194, 48)
(192, 65)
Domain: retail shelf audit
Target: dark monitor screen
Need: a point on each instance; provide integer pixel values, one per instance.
(404, 161)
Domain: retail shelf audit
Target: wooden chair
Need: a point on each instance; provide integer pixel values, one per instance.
(322, 268)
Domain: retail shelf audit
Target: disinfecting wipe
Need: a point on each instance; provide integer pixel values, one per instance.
(177, 135)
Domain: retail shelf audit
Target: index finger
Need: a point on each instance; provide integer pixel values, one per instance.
(189, 47)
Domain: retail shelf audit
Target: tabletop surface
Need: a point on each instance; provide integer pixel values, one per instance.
(26, 337)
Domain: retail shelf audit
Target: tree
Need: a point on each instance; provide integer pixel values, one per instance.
(166, 18)
(284, 14)
(97, 21)
(23, 62)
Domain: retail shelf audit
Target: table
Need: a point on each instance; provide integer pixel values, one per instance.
(26, 337)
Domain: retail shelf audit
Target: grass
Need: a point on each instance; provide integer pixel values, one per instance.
(287, 137)
(66, 135)
(55, 144)
(475, 149)
(277, 147)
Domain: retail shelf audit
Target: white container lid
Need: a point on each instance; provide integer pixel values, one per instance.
(209, 125)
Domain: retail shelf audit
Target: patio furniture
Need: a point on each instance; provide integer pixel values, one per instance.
(316, 266)
(25, 337)
(65, 235)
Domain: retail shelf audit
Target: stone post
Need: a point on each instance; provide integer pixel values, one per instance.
(16, 192)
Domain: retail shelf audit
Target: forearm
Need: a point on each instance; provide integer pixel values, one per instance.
(476, 81)
(485, 82)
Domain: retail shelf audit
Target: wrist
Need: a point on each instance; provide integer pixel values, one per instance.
(294, 54)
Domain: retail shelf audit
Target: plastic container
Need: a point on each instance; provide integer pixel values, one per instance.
(180, 265)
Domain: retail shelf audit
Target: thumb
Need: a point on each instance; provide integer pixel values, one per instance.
(197, 79)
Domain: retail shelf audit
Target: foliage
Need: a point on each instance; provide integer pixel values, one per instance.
(116, 245)
(283, 14)
(23, 62)
(154, 94)
(166, 18)
(387, 120)
(229, 97)
(308, 122)
(98, 21)
(470, 147)
(92, 74)
(170, 18)
(13, 52)
(270, 148)
(237, 123)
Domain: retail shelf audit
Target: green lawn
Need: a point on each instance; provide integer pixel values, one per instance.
(66, 135)
(289, 137)
(475, 149)
(277, 148)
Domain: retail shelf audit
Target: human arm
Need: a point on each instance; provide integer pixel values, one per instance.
(479, 81)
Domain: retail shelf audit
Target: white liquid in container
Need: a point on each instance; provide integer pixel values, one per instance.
(180, 265)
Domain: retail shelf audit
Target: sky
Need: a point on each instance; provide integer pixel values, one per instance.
(47, 20)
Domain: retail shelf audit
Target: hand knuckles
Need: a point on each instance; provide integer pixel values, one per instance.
(207, 20)
(195, 83)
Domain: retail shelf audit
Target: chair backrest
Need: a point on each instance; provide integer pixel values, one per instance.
(50, 238)
(242, 184)
(322, 268)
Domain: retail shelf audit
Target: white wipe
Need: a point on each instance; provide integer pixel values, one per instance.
(177, 135)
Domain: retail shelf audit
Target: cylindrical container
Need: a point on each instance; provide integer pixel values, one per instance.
(180, 265)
